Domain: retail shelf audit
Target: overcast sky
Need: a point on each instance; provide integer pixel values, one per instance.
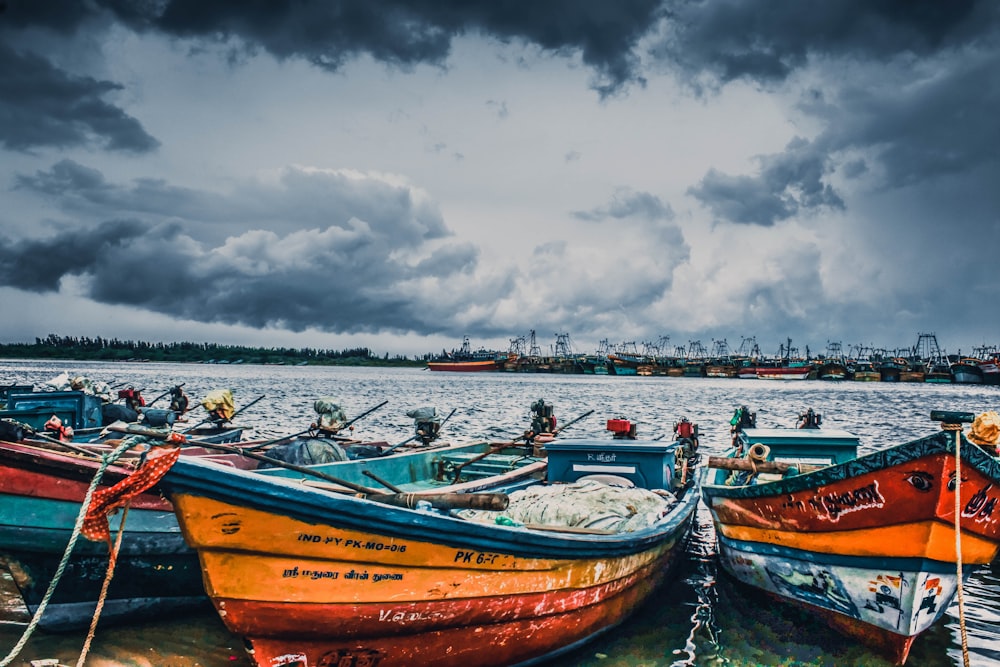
(399, 174)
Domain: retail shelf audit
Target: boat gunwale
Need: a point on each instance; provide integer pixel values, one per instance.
(936, 443)
(287, 497)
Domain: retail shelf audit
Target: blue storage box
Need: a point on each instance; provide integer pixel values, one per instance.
(85, 409)
(648, 464)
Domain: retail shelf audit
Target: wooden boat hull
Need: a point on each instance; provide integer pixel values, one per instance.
(884, 605)
(991, 372)
(870, 542)
(966, 373)
(465, 366)
(783, 372)
(832, 371)
(41, 492)
(498, 642)
(332, 577)
(40, 500)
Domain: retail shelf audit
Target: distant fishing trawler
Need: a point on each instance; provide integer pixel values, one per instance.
(924, 362)
(465, 360)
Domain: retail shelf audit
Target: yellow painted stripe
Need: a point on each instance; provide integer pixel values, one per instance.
(265, 578)
(249, 554)
(924, 539)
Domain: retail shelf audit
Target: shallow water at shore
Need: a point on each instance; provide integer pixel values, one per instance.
(700, 618)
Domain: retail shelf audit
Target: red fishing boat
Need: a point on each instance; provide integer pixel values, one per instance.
(866, 543)
(465, 359)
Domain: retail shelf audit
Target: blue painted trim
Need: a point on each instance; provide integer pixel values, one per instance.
(887, 563)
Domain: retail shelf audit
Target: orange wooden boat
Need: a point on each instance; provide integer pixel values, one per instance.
(312, 577)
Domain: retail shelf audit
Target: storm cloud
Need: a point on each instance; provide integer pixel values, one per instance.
(42, 105)
(301, 198)
(788, 184)
(372, 266)
(438, 168)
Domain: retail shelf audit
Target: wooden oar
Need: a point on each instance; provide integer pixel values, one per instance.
(391, 487)
(164, 394)
(494, 502)
(494, 448)
(367, 412)
(570, 423)
(159, 435)
(728, 463)
(441, 500)
(283, 438)
(55, 441)
(500, 446)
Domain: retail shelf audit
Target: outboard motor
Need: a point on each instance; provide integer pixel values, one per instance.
(686, 435)
(810, 419)
(542, 418)
(133, 398)
(426, 423)
(621, 429)
(178, 400)
(742, 418)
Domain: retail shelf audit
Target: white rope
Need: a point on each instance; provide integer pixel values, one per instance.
(958, 541)
(33, 624)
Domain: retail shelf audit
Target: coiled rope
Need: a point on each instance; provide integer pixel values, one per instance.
(106, 461)
(957, 428)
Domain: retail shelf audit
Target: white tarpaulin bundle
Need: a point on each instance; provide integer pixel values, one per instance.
(63, 382)
(331, 415)
(584, 504)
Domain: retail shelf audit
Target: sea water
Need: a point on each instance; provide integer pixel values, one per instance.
(701, 617)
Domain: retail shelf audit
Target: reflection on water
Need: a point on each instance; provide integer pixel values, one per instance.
(700, 618)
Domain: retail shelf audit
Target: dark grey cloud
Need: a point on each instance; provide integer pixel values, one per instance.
(39, 265)
(402, 33)
(919, 123)
(788, 184)
(410, 32)
(44, 106)
(910, 87)
(330, 279)
(302, 198)
(378, 263)
(732, 39)
(627, 203)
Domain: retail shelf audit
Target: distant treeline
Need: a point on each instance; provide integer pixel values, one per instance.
(112, 349)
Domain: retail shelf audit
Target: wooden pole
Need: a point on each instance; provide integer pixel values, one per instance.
(728, 463)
